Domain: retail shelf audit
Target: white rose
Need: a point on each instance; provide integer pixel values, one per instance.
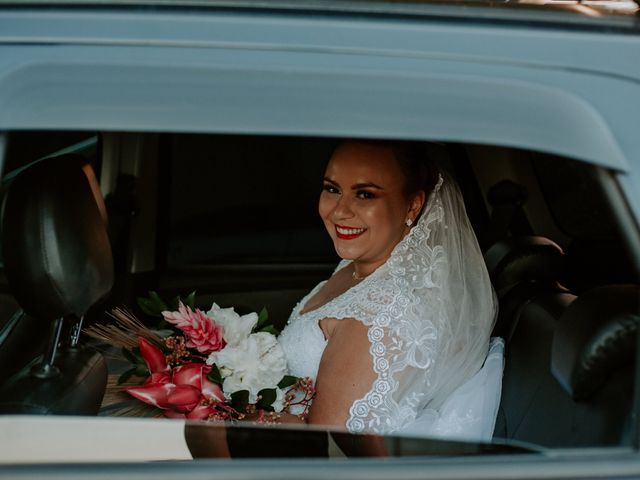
(235, 328)
(255, 363)
(278, 403)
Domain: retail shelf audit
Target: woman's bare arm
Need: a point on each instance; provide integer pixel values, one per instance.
(345, 374)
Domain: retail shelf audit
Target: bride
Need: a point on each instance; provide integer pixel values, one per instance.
(396, 338)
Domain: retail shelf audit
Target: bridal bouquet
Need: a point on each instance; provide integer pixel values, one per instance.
(215, 365)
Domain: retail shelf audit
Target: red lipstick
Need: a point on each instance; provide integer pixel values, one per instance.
(348, 233)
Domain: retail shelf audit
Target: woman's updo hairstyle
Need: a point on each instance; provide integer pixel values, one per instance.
(420, 173)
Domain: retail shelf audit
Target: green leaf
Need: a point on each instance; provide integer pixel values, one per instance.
(240, 400)
(175, 303)
(215, 376)
(147, 307)
(287, 381)
(190, 300)
(137, 357)
(270, 329)
(141, 371)
(152, 305)
(262, 317)
(126, 375)
(164, 325)
(268, 397)
(155, 298)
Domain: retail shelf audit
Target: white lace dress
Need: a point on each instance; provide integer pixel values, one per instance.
(469, 413)
(429, 309)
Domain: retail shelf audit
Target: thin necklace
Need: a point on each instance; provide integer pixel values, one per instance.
(355, 276)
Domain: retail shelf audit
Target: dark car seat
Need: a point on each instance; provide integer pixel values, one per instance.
(525, 272)
(593, 359)
(527, 382)
(58, 264)
(522, 268)
(588, 342)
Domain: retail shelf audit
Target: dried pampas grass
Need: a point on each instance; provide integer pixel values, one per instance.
(124, 332)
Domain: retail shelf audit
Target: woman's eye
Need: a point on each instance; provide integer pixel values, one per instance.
(327, 187)
(365, 195)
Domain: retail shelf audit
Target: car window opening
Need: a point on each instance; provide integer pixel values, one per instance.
(234, 218)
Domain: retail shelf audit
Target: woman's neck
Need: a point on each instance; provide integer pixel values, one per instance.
(362, 270)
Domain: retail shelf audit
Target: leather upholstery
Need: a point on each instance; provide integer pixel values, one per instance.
(20, 345)
(523, 259)
(527, 376)
(522, 268)
(596, 336)
(56, 251)
(78, 391)
(552, 326)
(58, 263)
(588, 342)
(535, 407)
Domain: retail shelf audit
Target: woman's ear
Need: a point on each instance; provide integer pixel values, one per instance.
(416, 204)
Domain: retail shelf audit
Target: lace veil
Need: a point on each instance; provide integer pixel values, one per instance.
(430, 310)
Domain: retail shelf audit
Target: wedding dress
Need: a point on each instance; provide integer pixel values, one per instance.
(430, 310)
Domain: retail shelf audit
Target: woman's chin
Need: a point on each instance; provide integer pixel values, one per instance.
(347, 253)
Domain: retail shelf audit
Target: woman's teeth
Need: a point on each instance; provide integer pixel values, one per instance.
(350, 231)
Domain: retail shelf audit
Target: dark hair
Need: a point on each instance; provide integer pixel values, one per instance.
(420, 172)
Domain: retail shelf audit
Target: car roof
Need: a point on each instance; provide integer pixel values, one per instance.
(562, 11)
(572, 92)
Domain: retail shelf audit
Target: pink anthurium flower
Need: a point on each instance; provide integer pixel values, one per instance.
(159, 377)
(152, 393)
(183, 392)
(190, 374)
(153, 356)
(183, 398)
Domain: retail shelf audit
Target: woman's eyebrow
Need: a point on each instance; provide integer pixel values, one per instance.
(328, 180)
(357, 186)
(366, 185)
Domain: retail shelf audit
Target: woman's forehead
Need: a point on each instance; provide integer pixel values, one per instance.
(365, 163)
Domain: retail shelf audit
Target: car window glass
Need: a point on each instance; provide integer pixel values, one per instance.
(244, 200)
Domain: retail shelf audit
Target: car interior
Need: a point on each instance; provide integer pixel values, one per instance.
(93, 220)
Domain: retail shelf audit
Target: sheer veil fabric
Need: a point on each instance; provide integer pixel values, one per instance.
(430, 310)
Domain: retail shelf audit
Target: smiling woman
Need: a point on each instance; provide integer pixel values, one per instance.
(384, 337)
(365, 206)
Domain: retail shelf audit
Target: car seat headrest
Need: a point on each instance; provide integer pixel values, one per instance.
(56, 251)
(595, 336)
(523, 259)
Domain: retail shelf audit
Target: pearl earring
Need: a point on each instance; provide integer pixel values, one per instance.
(409, 222)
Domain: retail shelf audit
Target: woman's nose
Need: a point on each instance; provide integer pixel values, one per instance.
(342, 208)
